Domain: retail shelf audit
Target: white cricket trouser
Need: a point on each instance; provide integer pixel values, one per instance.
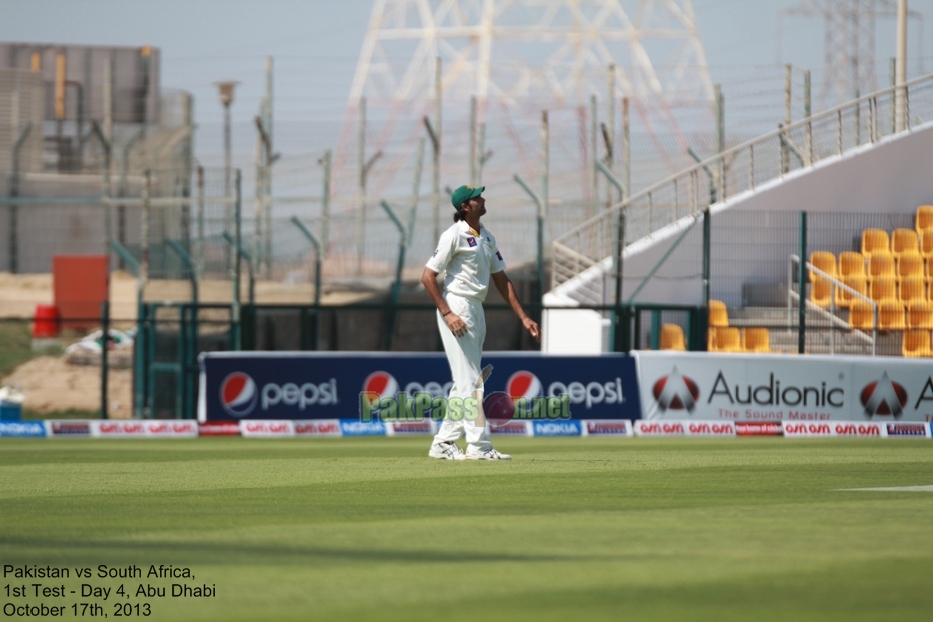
(464, 355)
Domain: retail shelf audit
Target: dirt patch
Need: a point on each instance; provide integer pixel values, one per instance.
(20, 293)
(51, 385)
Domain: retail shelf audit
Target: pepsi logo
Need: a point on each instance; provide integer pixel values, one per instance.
(676, 392)
(238, 394)
(523, 384)
(883, 397)
(382, 383)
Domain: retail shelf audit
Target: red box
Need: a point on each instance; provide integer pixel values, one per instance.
(81, 283)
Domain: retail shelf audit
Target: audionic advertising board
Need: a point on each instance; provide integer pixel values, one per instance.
(766, 387)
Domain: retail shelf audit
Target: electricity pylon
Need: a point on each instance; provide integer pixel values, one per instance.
(527, 55)
(849, 43)
(519, 50)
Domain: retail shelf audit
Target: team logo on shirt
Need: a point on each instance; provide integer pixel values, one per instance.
(499, 255)
(471, 241)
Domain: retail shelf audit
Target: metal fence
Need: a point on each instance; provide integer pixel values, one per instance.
(171, 336)
(739, 169)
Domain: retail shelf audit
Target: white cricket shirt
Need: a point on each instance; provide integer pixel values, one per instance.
(469, 260)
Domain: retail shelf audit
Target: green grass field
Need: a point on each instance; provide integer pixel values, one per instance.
(581, 529)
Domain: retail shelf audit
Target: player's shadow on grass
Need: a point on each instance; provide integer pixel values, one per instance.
(115, 553)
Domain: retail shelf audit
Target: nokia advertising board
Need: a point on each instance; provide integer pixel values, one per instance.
(769, 387)
(236, 386)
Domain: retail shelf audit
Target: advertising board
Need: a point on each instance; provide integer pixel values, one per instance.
(426, 427)
(22, 429)
(861, 429)
(770, 387)
(267, 429)
(660, 428)
(556, 428)
(219, 428)
(68, 428)
(318, 428)
(710, 429)
(118, 429)
(355, 427)
(172, 429)
(513, 428)
(330, 385)
(620, 427)
(907, 430)
(808, 429)
(758, 428)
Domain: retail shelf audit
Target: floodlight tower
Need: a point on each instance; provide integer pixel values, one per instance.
(519, 57)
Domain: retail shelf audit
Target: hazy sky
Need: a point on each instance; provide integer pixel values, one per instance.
(316, 44)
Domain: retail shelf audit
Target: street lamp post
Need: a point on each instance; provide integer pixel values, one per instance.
(226, 98)
(226, 90)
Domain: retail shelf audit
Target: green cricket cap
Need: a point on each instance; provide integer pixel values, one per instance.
(464, 193)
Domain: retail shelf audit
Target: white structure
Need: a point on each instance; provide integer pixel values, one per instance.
(839, 163)
(480, 73)
(516, 58)
(519, 50)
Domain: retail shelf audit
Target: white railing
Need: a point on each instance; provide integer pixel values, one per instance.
(739, 169)
(830, 315)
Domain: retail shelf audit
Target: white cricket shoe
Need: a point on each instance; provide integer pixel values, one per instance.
(489, 454)
(446, 451)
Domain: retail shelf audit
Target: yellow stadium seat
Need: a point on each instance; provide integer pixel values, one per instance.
(926, 243)
(875, 242)
(904, 241)
(821, 292)
(883, 289)
(912, 290)
(924, 221)
(881, 266)
(711, 339)
(891, 315)
(920, 315)
(851, 264)
(727, 340)
(823, 260)
(861, 315)
(718, 316)
(910, 266)
(672, 337)
(916, 343)
(756, 340)
(844, 298)
(928, 261)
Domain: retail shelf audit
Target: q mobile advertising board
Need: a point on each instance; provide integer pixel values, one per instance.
(771, 387)
(237, 386)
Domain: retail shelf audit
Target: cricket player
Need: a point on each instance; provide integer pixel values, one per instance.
(468, 252)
